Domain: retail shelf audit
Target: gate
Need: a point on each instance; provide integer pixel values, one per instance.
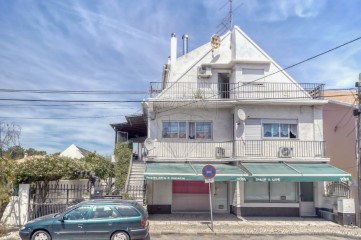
(54, 198)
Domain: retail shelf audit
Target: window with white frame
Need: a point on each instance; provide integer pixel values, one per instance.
(174, 130)
(279, 130)
(270, 192)
(190, 130)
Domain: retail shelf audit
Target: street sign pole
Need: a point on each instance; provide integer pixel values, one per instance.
(209, 172)
(210, 204)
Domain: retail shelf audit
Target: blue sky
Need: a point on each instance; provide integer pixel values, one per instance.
(122, 45)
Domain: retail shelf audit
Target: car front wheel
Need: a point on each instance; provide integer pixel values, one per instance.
(120, 236)
(41, 235)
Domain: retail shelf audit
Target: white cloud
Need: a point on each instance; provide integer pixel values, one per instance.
(281, 10)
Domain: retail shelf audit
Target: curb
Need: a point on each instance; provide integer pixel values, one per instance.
(158, 234)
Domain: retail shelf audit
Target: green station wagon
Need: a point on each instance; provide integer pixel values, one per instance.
(95, 219)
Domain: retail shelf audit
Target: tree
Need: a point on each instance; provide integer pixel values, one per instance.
(9, 135)
(33, 152)
(14, 152)
(17, 152)
(123, 154)
(102, 169)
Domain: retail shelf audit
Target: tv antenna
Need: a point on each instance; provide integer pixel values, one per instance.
(226, 23)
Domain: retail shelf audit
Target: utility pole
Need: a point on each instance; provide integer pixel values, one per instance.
(357, 113)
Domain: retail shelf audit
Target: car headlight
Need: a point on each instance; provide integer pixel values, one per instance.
(22, 228)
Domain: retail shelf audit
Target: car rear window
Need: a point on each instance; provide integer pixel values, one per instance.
(141, 209)
(126, 211)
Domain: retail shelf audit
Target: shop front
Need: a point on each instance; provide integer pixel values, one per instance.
(181, 188)
(285, 189)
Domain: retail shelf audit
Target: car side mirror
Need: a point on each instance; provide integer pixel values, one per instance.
(61, 219)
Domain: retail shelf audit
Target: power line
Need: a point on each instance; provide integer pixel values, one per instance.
(159, 101)
(70, 101)
(73, 92)
(281, 70)
(55, 118)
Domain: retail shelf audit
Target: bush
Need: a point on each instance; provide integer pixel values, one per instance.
(3, 229)
(6, 175)
(123, 154)
(43, 170)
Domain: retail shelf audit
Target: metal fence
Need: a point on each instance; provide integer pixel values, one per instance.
(55, 198)
(337, 189)
(240, 90)
(249, 148)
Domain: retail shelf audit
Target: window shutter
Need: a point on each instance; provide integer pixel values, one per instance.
(253, 129)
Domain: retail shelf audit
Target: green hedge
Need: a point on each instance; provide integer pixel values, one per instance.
(123, 153)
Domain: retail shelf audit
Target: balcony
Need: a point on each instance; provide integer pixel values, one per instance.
(239, 91)
(239, 150)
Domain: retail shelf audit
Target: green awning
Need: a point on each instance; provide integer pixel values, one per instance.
(295, 172)
(189, 171)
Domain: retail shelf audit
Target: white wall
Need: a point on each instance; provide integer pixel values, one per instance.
(16, 212)
(309, 120)
(159, 192)
(221, 119)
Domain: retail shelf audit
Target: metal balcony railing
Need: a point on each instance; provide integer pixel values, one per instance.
(280, 148)
(238, 149)
(241, 90)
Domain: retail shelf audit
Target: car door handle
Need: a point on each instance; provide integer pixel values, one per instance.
(110, 224)
(80, 225)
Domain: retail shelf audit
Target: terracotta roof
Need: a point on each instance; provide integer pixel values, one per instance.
(349, 96)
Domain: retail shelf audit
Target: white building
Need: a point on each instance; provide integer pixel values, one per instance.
(74, 152)
(234, 108)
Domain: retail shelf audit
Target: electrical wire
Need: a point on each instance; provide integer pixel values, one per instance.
(281, 70)
(73, 92)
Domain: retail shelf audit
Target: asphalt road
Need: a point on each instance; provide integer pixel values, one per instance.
(15, 236)
(248, 237)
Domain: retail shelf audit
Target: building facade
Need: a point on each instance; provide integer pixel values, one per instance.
(230, 105)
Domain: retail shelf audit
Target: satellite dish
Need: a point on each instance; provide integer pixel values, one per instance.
(241, 115)
(149, 144)
(215, 41)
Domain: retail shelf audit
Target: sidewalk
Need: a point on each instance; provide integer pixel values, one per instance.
(187, 224)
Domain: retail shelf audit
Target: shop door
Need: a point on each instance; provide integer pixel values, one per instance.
(220, 197)
(307, 204)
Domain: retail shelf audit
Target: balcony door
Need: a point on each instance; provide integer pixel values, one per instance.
(223, 85)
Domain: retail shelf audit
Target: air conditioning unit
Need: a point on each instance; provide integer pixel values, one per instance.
(204, 72)
(220, 152)
(285, 152)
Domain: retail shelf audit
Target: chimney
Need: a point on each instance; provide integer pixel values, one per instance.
(173, 49)
(185, 44)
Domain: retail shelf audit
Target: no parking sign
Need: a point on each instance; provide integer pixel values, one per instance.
(208, 171)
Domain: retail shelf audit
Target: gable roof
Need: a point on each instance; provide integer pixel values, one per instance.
(74, 152)
(240, 47)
